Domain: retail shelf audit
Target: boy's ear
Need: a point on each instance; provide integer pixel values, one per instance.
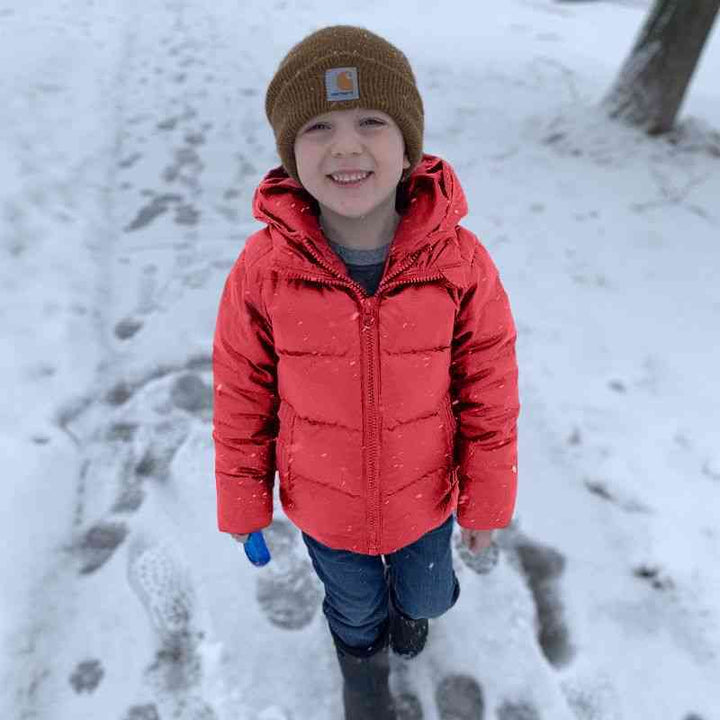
(406, 162)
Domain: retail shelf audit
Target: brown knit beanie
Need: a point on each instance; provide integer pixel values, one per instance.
(338, 68)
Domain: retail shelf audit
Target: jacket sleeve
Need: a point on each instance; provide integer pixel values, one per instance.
(244, 404)
(484, 386)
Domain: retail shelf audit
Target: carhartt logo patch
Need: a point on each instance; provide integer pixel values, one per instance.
(342, 84)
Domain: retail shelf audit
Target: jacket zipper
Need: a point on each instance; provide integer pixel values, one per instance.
(368, 305)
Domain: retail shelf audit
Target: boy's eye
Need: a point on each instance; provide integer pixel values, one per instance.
(374, 121)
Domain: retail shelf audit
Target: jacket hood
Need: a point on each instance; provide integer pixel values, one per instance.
(431, 203)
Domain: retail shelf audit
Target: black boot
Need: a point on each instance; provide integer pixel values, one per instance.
(407, 636)
(366, 672)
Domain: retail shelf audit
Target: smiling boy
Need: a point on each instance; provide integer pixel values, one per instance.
(364, 349)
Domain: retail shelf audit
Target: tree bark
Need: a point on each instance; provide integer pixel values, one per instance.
(655, 77)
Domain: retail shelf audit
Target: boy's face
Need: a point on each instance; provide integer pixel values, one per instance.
(351, 140)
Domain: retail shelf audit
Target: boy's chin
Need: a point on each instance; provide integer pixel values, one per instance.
(358, 210)
(350, 213)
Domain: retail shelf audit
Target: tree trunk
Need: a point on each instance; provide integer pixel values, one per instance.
(653, 81)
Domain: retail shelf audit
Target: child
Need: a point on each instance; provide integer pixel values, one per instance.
(364, 349)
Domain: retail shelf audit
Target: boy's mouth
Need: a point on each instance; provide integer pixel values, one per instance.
(349, 180)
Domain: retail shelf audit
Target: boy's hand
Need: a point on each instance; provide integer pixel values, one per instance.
(241, 538)
(476, 540)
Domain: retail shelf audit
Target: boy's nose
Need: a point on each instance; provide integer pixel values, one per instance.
(346, 143)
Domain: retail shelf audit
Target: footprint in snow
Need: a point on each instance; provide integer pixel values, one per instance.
(592, 697)
(407, 703)
(167, 438)
(126, 328)
(163, 585)
(87, 676)
(99, 544)
(542, 567)
(459, 697)
(517, 711)
(142, 712)
(408, 707)
(288, 592)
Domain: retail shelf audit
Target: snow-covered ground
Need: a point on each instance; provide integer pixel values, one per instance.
(132, 136)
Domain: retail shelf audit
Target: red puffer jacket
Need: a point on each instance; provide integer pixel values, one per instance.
(382, 414)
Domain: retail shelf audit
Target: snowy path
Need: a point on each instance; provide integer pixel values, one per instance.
(136, 138)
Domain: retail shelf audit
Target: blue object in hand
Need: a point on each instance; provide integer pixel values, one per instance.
(256, 549)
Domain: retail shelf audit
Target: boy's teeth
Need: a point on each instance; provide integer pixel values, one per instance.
(350, 178)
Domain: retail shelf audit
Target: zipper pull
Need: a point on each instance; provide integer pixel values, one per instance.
(368, 312)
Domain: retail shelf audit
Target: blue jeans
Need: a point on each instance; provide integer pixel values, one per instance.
(420, 577)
